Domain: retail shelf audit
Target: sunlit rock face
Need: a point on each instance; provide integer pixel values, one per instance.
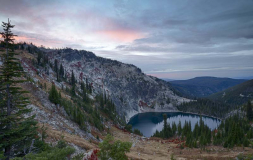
(131, 90)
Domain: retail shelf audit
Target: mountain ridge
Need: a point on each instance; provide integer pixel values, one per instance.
(204, 86)
(130, 89)
(236, 95)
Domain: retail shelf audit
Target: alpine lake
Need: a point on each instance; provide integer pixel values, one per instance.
(149, 122)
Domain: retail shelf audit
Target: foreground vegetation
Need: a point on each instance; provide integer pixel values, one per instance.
(19, 134)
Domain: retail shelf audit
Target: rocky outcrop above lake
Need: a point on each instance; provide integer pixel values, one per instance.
(131, 90)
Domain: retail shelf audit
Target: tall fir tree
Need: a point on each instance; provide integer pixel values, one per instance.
(61, 72)
(249, 111)
(16, 130)
(165, 125)
(53, 95)
(56, 65)
(73, 80)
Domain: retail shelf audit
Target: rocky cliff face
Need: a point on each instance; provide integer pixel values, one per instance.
(131, 90)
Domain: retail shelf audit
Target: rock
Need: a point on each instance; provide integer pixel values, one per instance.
(129, 88)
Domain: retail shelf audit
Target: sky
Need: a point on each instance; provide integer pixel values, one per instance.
(174, 39)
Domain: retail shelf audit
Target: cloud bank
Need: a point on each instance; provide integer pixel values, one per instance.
(166, 38)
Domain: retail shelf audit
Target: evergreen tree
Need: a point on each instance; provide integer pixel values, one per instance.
(39, 58)
(56, 65)
(174, 128)
(86, 83)
(73, 80)
(73, 91)
(179, 128)
(57, 77)
(102, 102)
(53, 95)
(61, 72)
(16, 131)
(83, 88)
(165, 132)
(105, 100)
(249, 111)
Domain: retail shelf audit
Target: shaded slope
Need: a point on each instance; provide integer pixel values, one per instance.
(236, 95)
(204, 86)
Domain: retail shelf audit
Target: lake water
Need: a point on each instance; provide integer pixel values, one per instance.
(149, 122)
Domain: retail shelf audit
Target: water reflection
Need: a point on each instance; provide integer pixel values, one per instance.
(148, 123)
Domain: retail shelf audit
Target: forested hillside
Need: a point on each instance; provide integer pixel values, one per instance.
(236, 95)
(204, 86)
(207, 107)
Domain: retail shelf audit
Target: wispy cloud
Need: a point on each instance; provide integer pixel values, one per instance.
(191, 37)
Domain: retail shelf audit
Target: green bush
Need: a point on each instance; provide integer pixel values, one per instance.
(114, 150)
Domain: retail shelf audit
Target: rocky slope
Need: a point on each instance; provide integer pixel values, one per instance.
(130, 89)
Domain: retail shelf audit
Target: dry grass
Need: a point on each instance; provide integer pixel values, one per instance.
(56, 135)
(155, 150)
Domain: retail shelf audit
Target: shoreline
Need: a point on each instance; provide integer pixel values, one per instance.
(170, 111)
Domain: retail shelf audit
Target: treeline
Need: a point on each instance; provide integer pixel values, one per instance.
(205, 106)
(233, 131)
(199, 136)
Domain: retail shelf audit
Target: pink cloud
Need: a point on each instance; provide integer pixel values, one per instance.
(121, 35)
(40, 40)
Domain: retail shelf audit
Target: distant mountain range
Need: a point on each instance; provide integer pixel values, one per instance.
(247, 78)
(235, 95)
(204, 86)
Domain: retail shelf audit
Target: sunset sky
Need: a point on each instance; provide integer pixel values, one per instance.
(175, 39)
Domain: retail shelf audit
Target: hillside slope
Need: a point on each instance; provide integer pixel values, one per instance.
(204, 86)
(236, 95)
(131, 90)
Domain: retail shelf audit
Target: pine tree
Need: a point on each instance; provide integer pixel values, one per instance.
(16, 131)
(53, 95)
(39, 58)
(56, 65)
(61, 72)
(179, 128)
(73, 91)
(249, 111)
(73, 80)
(105, 100)
(165, 125)
(87, 84)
